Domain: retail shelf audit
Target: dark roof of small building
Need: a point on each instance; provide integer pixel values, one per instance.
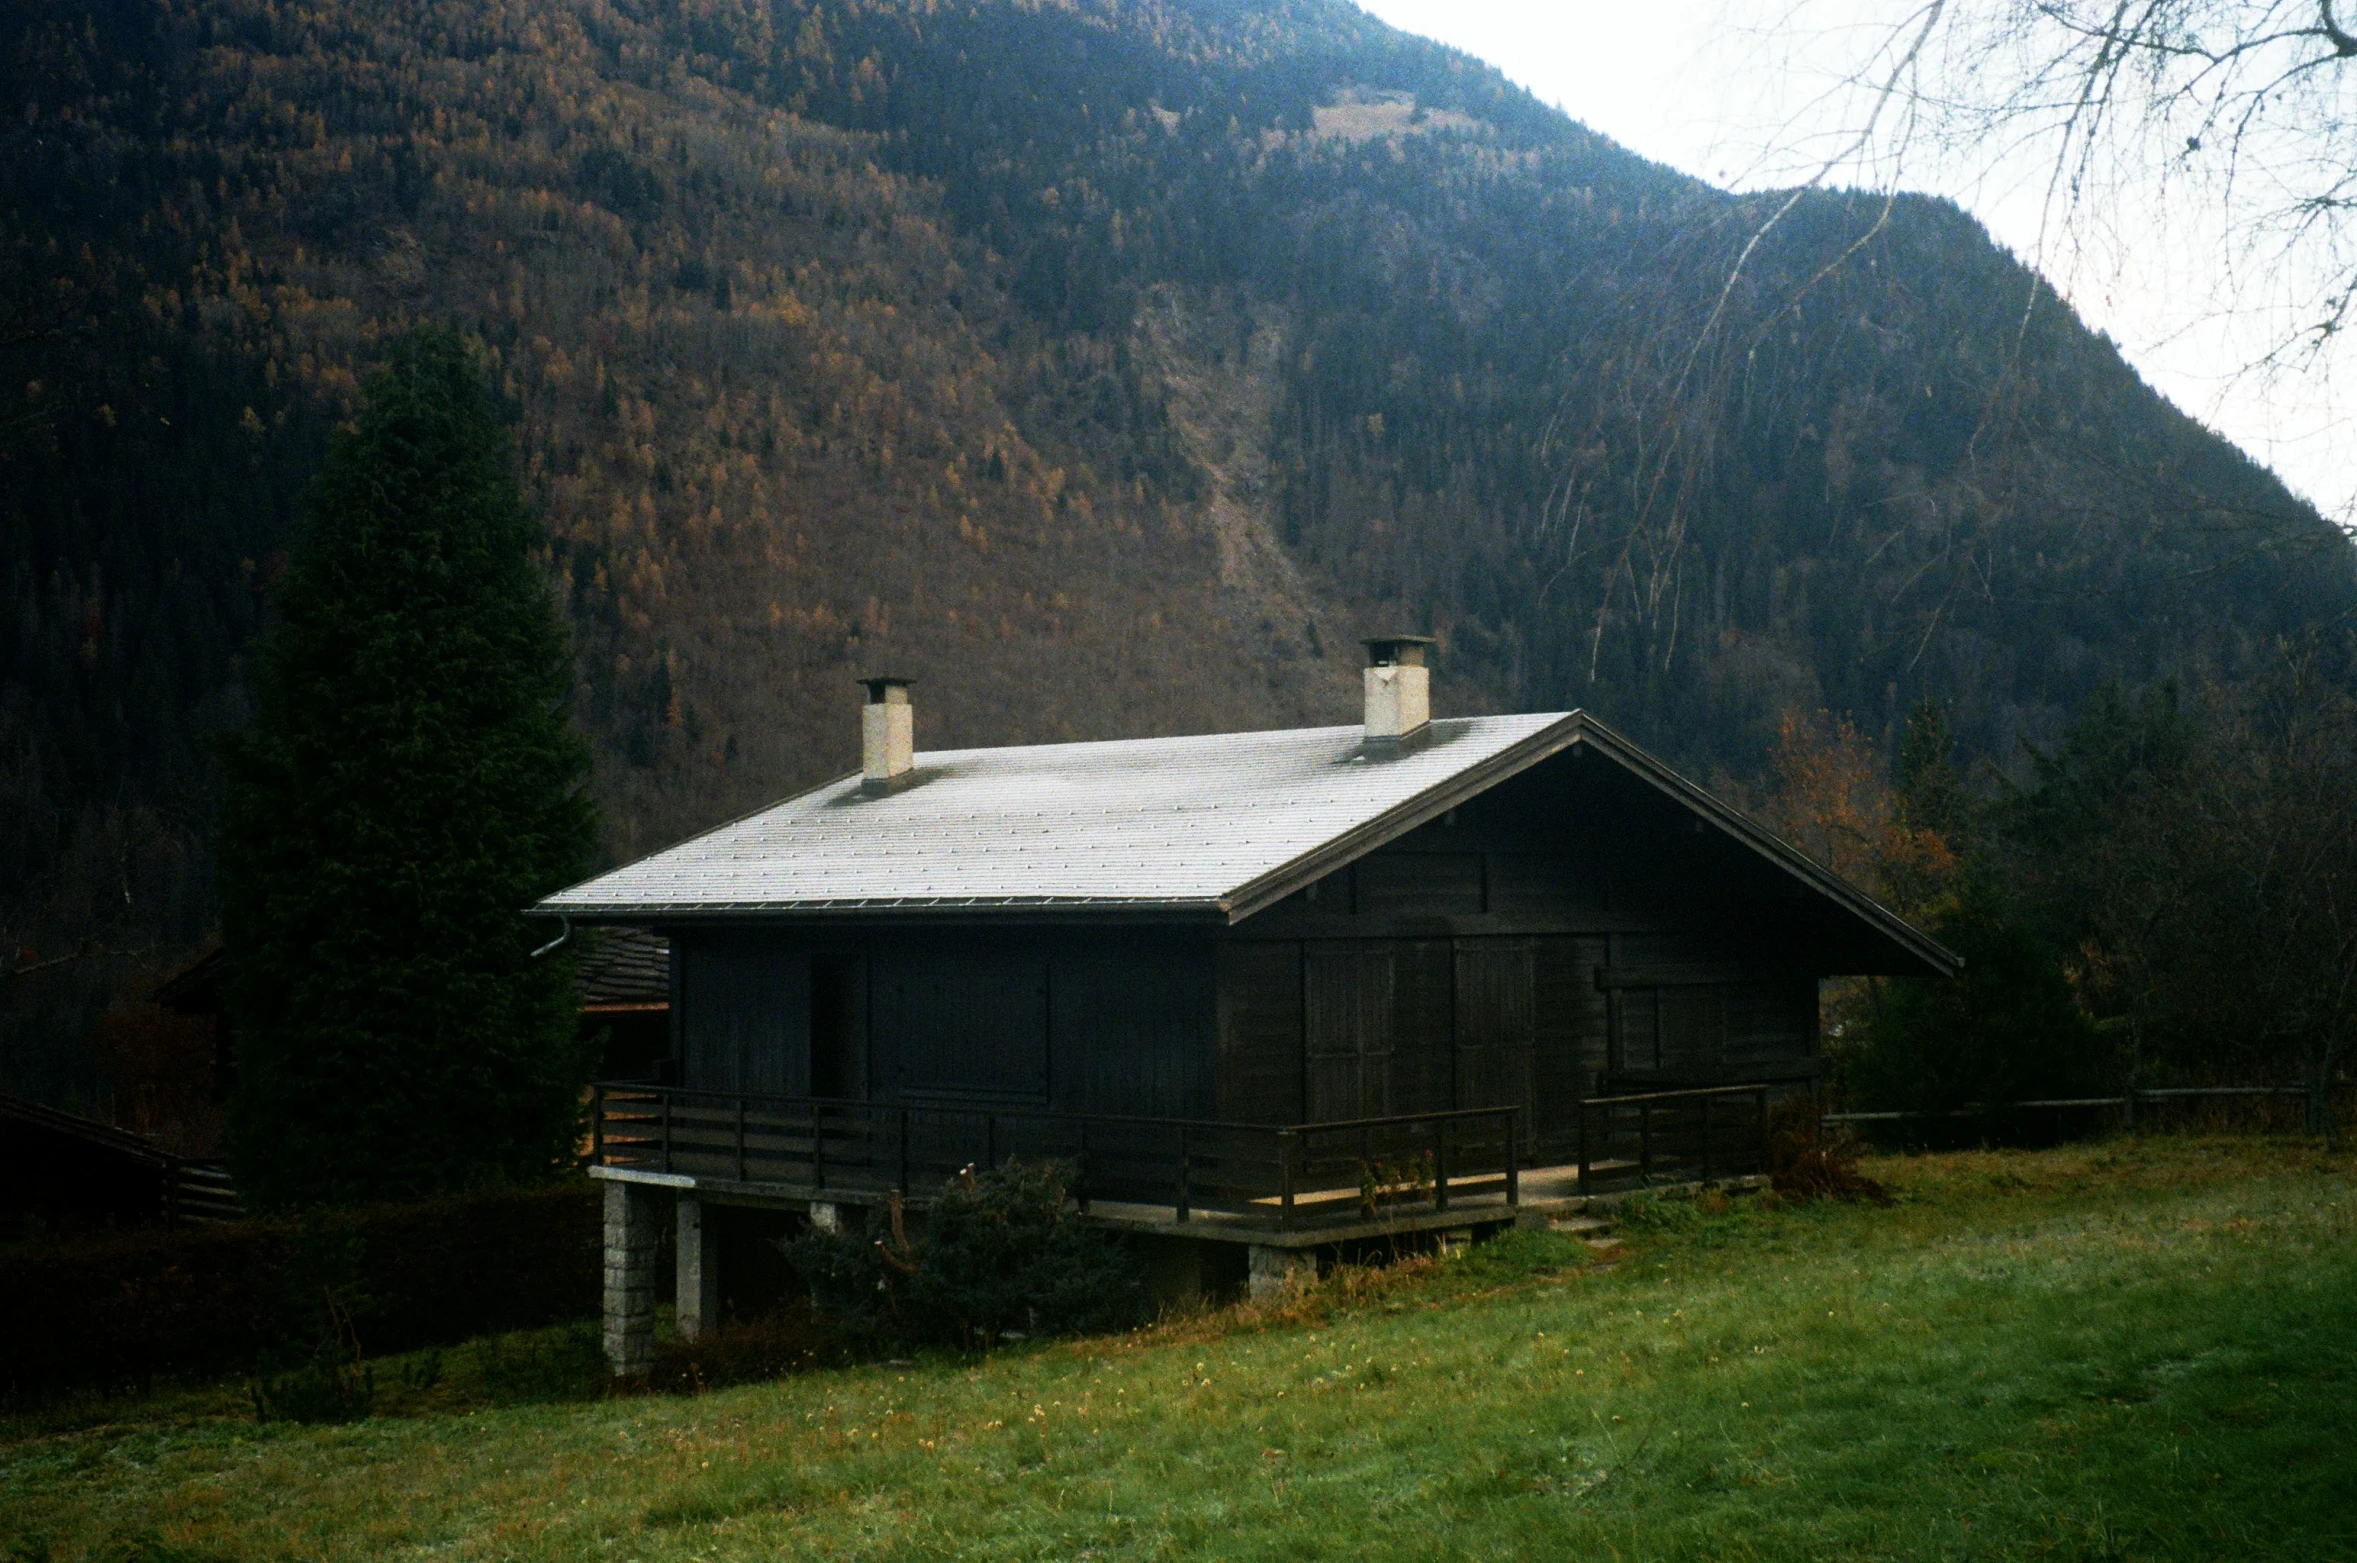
(627, 968)
(20, 1113)
(1217, 826)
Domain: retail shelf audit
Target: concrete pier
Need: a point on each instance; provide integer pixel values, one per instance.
(1270, 1271)
(633, 1237)
(698, 1268)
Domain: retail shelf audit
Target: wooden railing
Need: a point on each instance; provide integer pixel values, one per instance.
(1651, 1137)
(1301, 1175)
(199, 1191)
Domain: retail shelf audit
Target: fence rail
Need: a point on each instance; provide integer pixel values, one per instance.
(1678, 1136)
(2156, 1097)
(200, 1191)
(1300, 1175)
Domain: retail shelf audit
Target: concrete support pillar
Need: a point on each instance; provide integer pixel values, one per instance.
(633, 1235)
(1271, 1272)
(699, 1268)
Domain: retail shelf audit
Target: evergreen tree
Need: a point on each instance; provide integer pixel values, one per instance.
(409, 783)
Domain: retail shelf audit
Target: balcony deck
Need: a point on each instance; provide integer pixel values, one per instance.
(1282, 1185)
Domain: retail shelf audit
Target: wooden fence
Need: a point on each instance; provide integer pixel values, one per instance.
(1302, 1175)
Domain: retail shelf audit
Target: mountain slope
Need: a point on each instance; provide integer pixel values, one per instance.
(1110, 365)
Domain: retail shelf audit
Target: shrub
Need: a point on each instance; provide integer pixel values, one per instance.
(2007, 1028)
(117, 1313)
(744, 1351)
(1804, 1162)
(317, 1373)
(999, 1252)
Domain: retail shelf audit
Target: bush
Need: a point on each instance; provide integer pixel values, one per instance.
(745, 1351)
(999, 1253)
(2007, 1028)
(264, 1296)
(317, 1372)
(1804, 1162)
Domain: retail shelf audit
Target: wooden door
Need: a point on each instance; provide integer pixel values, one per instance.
(1349, 1015)
(1495, 1020)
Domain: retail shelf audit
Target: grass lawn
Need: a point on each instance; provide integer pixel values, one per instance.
(2133, 1350)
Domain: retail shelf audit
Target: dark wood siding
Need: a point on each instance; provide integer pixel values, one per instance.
(1556, 885)
(1702, 1030)
(839, 1025)
(1568, 1041)
(1130, 1022)
(1348, 1020)
(1420, 884)
(744, 1016)
(965, 1022)
(1260, 1064)
(1424, 1043)
(1770, 1025)
(1491, 927)
(1495, 1022)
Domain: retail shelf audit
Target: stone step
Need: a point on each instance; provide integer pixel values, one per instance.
(1581, 1226)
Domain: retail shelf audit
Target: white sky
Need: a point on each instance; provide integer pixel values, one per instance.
(1732, 92)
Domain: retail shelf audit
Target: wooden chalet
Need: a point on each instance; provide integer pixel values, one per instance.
(1269, 989)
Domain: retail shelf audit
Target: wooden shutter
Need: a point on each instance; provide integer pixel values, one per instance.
(1494, 1022)
(1260, 1065)
(1347, 1032)
(745, 1018)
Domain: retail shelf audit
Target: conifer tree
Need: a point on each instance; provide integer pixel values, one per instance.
(410, 781)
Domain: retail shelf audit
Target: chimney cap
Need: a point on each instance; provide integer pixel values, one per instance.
(879, 688)
(1398, 650)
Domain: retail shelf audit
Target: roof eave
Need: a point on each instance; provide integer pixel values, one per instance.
(672, 913)
(1933, 958)
(1258, 895)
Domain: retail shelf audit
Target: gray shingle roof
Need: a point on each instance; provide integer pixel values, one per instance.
(629, 968)
(1199, 825)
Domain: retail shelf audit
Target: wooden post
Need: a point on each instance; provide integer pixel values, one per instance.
(818, 1144)
(1580, 1116)
(1513, 1170)
(1440, 1164)
(1287, 1141)
(1186, 1174)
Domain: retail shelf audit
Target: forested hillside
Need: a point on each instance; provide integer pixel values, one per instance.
(1109, 365)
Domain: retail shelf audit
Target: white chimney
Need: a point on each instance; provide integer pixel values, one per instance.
(1399, 689)
(887, 735)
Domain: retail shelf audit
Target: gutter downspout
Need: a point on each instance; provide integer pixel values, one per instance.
(563, 934)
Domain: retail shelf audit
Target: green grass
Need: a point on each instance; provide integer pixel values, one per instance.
(2129, 1351)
